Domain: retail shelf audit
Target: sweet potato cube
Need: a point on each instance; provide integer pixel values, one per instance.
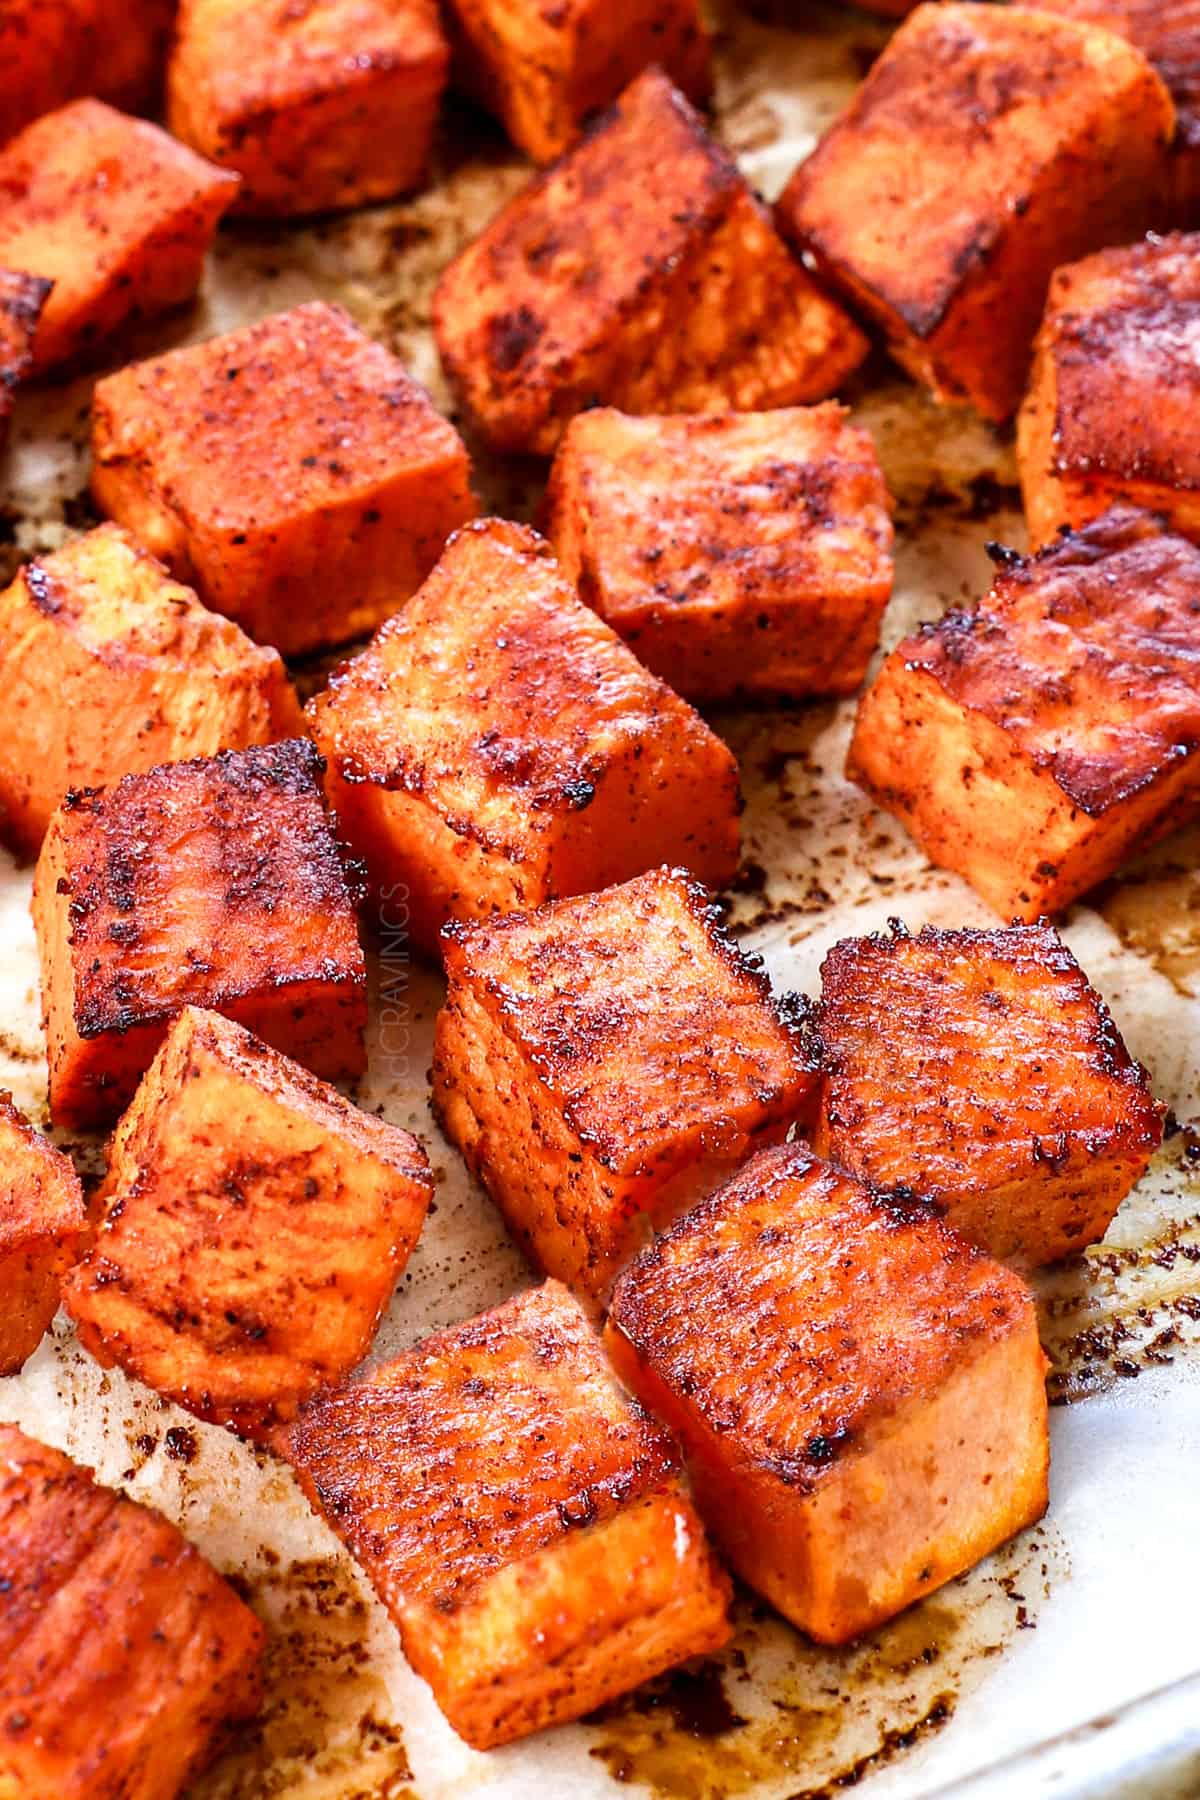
(640, 271)
(42, 1222)
(569, 1566)
(214, 883)
(109, 667)
(605, 1061)
(111, 210)
(497, 746)
(981, 1070)
(52, 51)
(860, 1394)
(324, 104)
(1110, 412)
(544, 69)
(738, 553)
(122, 1651)
(22, 298)
(986, 146)
(320, 492)
(1033, 743)
(252, 1227)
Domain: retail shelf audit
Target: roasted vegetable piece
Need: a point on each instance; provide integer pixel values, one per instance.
(22, 298)
(213, 883)
(1168, 33)
(981, 1070)
(569, 1564)
(52, 51)
(109, 667)
(497, 746)
(544, 69)
(1033, 743)
(111, 210)
(987, 145)
(737, 554)
(324, 104)
(252, 1226)
(640, 271)
(122, 1651)
(42, 1223)
(860, 1394)
(318, 495)
(605, 1061)
(1110, 414)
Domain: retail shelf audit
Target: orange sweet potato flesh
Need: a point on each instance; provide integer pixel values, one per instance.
(109, 667)
(603, 1061)
(859, 1393)
(22, 298)
(1110, 410)
(981, 1070)
(252, 1226)
(986, 146)
(52, 51)
(570, 1565)
(543, 68)
(42, 1224)
(111, 210)
(214, 883)
(639, 271)
(122, 1652)
(497, 746)
(738, 554)
(318, 496)
(1032, 744)
(325, 104)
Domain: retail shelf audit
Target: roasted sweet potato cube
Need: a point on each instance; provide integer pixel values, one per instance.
(640, 271)
(1033, 743)
(543, 69)
(109, 667)
(214, 883)
(1109, 416)
(987, 145)
(738, 553)
(325, 104)
(252, 1227)
(111, 210)
(497, 746)
(122, 1651)
(569, 1566)
(607, 1060)
(860, 1394)
(22, 298)
(320, 492)
(52, 51)
(42, 1223)
(981, 1070)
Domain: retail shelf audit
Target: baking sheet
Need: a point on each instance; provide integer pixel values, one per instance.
(1077, 1619)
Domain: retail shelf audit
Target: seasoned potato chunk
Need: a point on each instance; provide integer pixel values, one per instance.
(737, 554)
(1033, 743)
(1167, 32)
(569, 1564)
(981, 1070)
(1110, 414)
(252, 1227)
(319, 493)
(109, 667)
(42, 1222)
(860, 1393)
(497, 746)
(640, 270)
(52, 51)
(324, 104)
(112, 211)
(987, 145)
(212, 883)
(122, 1652)
(544, 69)
(605, 1061)
(22, 298)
